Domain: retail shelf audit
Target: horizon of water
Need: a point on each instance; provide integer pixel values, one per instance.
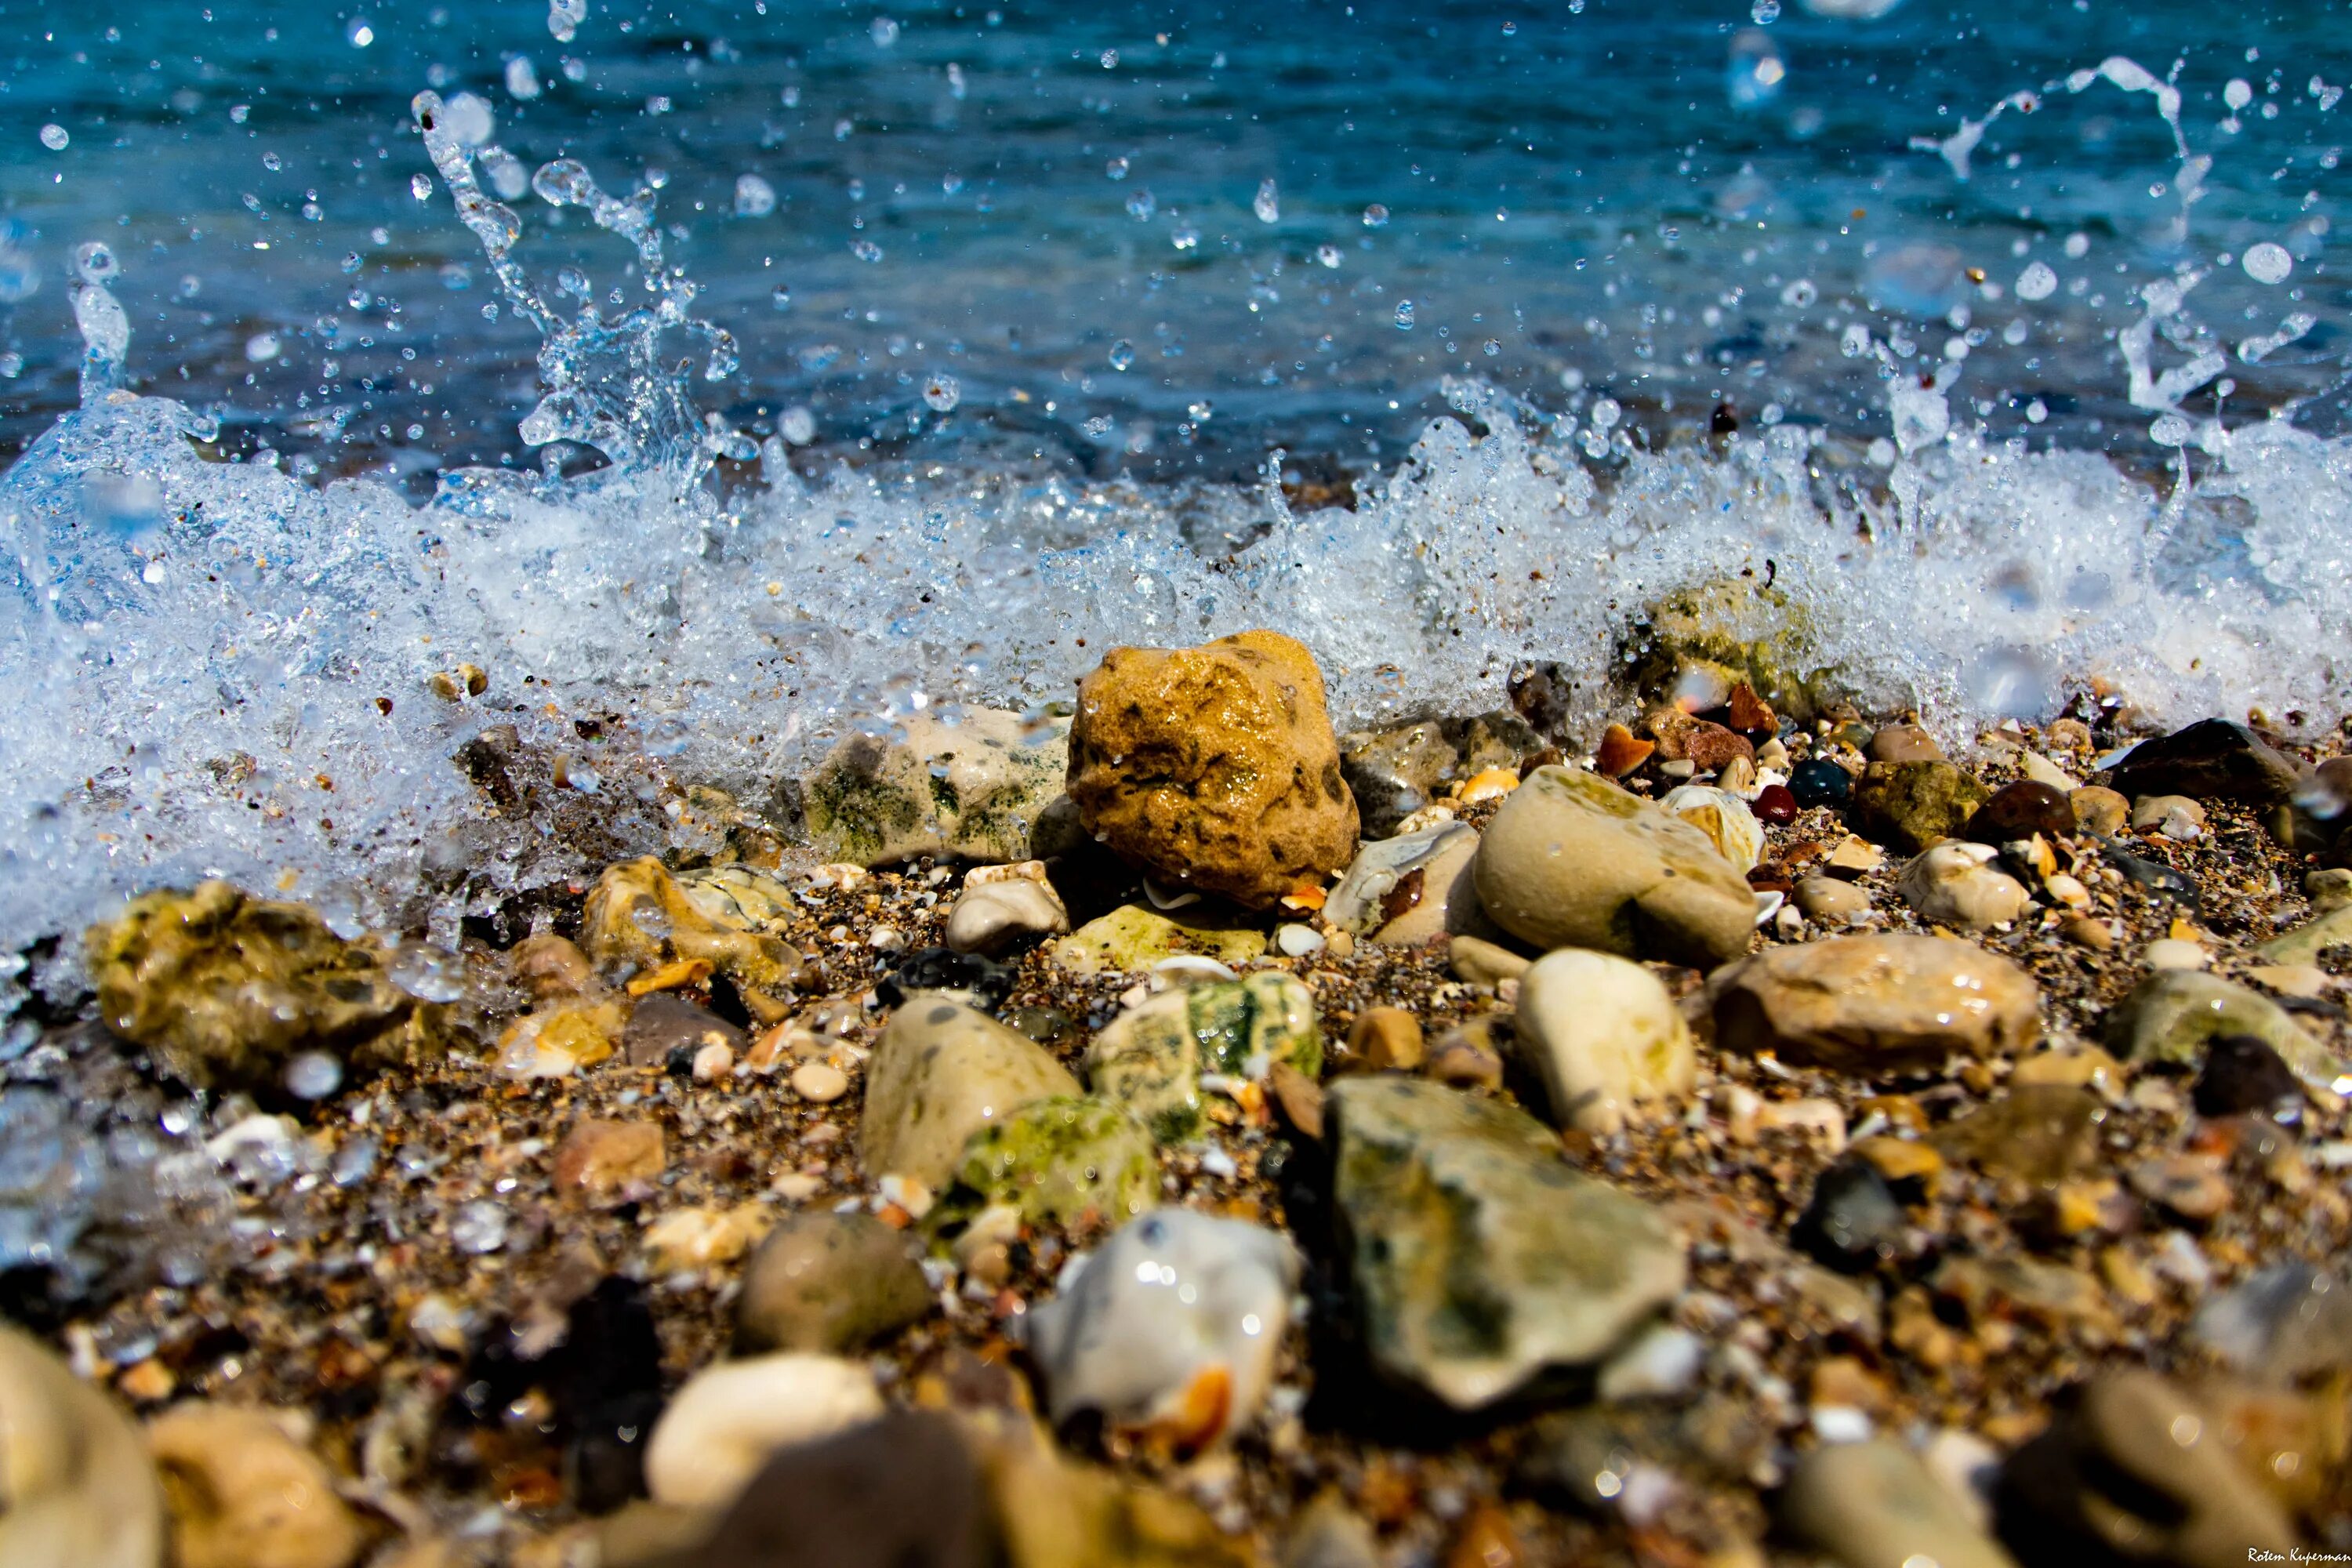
(2010, 403)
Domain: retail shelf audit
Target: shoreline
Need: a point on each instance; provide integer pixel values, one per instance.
(385, 1261)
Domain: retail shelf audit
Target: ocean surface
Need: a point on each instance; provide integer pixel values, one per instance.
(716, 377)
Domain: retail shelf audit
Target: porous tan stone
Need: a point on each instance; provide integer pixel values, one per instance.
(1214, 767)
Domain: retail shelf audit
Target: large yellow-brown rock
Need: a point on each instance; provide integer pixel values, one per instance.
(1214, 767)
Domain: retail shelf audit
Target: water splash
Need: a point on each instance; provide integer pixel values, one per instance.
(611, 384)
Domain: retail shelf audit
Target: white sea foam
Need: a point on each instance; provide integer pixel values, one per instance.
(220, 669)
(201, 645)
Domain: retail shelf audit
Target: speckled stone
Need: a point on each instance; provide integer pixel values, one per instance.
(1571, 860)
(940, 1072)
(1479, 1257)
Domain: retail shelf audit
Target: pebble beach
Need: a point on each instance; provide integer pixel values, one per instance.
(1759, 1133)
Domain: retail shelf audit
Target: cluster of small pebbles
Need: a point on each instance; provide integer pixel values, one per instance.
(1754, 1136)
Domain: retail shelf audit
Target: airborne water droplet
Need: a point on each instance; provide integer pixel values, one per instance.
(1122, 355)
(941, 393)
(1268, 205)
(2037, 282)
(2268, 263)
(754, 197)
(54, 138)
(1405, 315)
(1376, 217)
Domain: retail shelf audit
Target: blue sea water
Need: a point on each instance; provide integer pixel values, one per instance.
(1058, 206)
(346, 348)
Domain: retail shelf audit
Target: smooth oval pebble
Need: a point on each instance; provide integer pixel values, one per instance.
(243, 1493)
(729, 1418)
(820, 1081)
(1604, 1034)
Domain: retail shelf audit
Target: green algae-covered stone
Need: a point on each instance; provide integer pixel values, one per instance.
(973, 789)
(1132, 938)
(1699, 642)
(1151, 1057)
(1910, 806)
(1058, 1161)
(941, 1072)
(1479, 1256)
(225, 988)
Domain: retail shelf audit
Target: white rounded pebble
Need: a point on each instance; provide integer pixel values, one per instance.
(730, 1416)
(1604, 1033)
(2172, 953)
(1956, 884)
(1174, 1326)
(1298, 941)
(990, 916)
(713, 1062)
(819, 1082)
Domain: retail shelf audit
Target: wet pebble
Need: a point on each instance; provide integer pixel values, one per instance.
(1853, 1221)
(600, 1156)
(1817, 781)
(1571, 860)
(1830, 901)
(993, 915)
(819, 1082)
(1957, 884)
(2099, 810)
(1172, 1329)
(1876, 1003)
(1386, 1039)
(2174, 816)
(1605, 1036)
(725, 1421)
(1903, 743)
(2018, 811)
(940, 1072)
(243, 1492)
(829, 1282)
(662, 1025)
